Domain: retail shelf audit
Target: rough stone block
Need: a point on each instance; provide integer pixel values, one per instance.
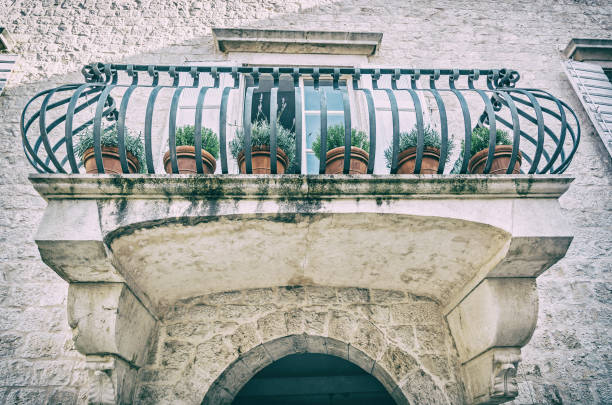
(295, 321)
(256, 359)
(294, 295)
(39, 345)
(285, 346)
(315, 344)
(15, 373)
(63, 397)
(214, 355)
(337, 348)
(417, 313)
(25, 396)
(9, 342)
(361, 359)
(437, 365)
(353, 295)
(315, 322)
(369, 339)
(419, 388)
(316, 295)
(272, 326)
(245, 338)
(387, 296)
(175, 354)
(234, 377)
(397, 363)
(399, 397)
(341, 326)
(376, 313)
(431, 338)
(384, 377)
(189, 329)
(217, 395)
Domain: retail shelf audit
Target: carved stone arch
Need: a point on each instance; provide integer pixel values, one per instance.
(248, 364)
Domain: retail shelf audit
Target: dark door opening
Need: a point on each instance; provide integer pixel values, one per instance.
(313, 379)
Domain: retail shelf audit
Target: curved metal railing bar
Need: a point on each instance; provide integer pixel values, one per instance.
(298, 118)
(394, 118)
(371, 118)
(545, 130)
(223, 115)
(323, 118)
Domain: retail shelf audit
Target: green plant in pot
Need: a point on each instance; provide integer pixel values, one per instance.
(185, 151)
(260, 147)
(260, 144)
(406, 158)
(479, 150)
(334, 158)
(134, 147)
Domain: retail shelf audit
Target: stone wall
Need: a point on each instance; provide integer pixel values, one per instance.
(387, 332)
(567, 360)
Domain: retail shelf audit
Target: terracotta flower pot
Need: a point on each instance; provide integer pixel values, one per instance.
(260, 160)
(501, 161)
(110, 160)
(334, 162)
(186, 161)
(406, 160)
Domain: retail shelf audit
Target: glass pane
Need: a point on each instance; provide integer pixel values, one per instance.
(313, 125)
(313, 128)
(334, 99)
(312, 163)
(312, 98)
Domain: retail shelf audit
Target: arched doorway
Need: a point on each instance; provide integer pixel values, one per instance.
(313, 379)
(301, 356)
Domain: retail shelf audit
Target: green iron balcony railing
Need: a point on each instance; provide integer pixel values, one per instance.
(545, 131)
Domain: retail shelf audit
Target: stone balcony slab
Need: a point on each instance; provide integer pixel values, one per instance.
(174, 237)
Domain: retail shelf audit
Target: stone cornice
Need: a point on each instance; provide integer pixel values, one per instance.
(291, 41)
(589, 49)
(299, 186)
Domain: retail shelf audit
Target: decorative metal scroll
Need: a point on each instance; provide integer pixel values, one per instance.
(545, 130)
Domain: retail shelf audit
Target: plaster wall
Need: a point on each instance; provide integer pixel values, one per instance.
(567, 360)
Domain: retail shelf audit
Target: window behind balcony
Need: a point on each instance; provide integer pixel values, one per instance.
(311, 114)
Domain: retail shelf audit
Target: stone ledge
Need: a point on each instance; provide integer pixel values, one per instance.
(589, 49)
(290, 41)
(145, 186)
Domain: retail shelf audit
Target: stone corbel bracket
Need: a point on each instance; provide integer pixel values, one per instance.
(113, 329)
(111, 326)
(489, 327)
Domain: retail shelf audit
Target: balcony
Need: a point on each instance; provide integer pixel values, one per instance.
(544, 132)
(146, 242)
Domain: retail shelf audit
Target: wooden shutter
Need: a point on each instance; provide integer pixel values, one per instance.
(595, 92)
(7, 61)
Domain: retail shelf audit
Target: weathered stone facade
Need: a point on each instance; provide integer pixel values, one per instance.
(567, 360)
